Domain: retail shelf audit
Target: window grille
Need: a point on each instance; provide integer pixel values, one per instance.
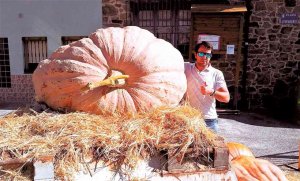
(69, 39)
(35, 50)
(5, 79)
(166, 19)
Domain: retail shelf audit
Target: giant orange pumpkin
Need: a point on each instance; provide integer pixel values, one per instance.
(113, 70)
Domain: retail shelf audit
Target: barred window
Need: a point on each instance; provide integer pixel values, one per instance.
(69, 39)
(166, 19)
(5, 79)
(35, 50)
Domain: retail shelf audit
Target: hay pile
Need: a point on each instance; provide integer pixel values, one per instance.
(77, 138)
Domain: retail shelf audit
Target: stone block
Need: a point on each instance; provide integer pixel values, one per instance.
(256, 51)
(260, 32)
(44, 169)
(263, 78)
(272, 37)
(286, 30)
(109, 10)
(273, 46)
(253, 24)
(266, 25)
(260, 6)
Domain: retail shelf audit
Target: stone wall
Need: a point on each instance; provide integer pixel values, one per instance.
(273, 57)
(115, 13)
(227, 64)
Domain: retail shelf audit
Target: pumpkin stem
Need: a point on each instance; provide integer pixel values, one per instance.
(110, 81)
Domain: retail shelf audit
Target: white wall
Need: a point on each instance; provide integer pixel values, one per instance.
(45, 18)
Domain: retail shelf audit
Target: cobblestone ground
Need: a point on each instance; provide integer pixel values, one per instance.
(270, 139)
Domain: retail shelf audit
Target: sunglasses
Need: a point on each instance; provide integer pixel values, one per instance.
(201, 54)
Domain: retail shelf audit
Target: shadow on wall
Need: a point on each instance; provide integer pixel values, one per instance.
(284, 102)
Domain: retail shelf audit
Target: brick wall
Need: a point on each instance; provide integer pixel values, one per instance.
(21, 90)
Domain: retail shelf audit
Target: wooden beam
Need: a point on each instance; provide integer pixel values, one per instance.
(216, 8)
(192, 40)
(299, 159)
(237, 68)
(13, 163)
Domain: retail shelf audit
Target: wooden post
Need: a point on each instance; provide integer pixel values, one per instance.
(192, 39)
(237, 67)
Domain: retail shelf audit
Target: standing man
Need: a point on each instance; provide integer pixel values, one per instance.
(206, 84)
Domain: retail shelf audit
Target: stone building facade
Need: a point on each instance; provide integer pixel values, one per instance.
(270, 69)
(269, 75)
(29, 32)
(273, 62)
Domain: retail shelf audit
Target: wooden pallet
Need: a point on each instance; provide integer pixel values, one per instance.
(213, 158)
(207, 165)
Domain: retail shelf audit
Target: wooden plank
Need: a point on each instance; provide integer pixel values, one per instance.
(221, 156)
(228, 23)
(222, 21)
(211, 25)
(189, 161)
(231, 34)
(216, 19)
(219, 31)
(233, 25)
(235, 31)
(217, 158)
(13, 163)
(210, 31)
(216, 8)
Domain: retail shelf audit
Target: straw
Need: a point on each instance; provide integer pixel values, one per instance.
(77, 139)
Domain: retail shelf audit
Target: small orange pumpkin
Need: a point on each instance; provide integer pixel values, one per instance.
(238, 149)
(114, 70)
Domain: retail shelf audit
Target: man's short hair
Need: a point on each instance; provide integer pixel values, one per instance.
(205, 44)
